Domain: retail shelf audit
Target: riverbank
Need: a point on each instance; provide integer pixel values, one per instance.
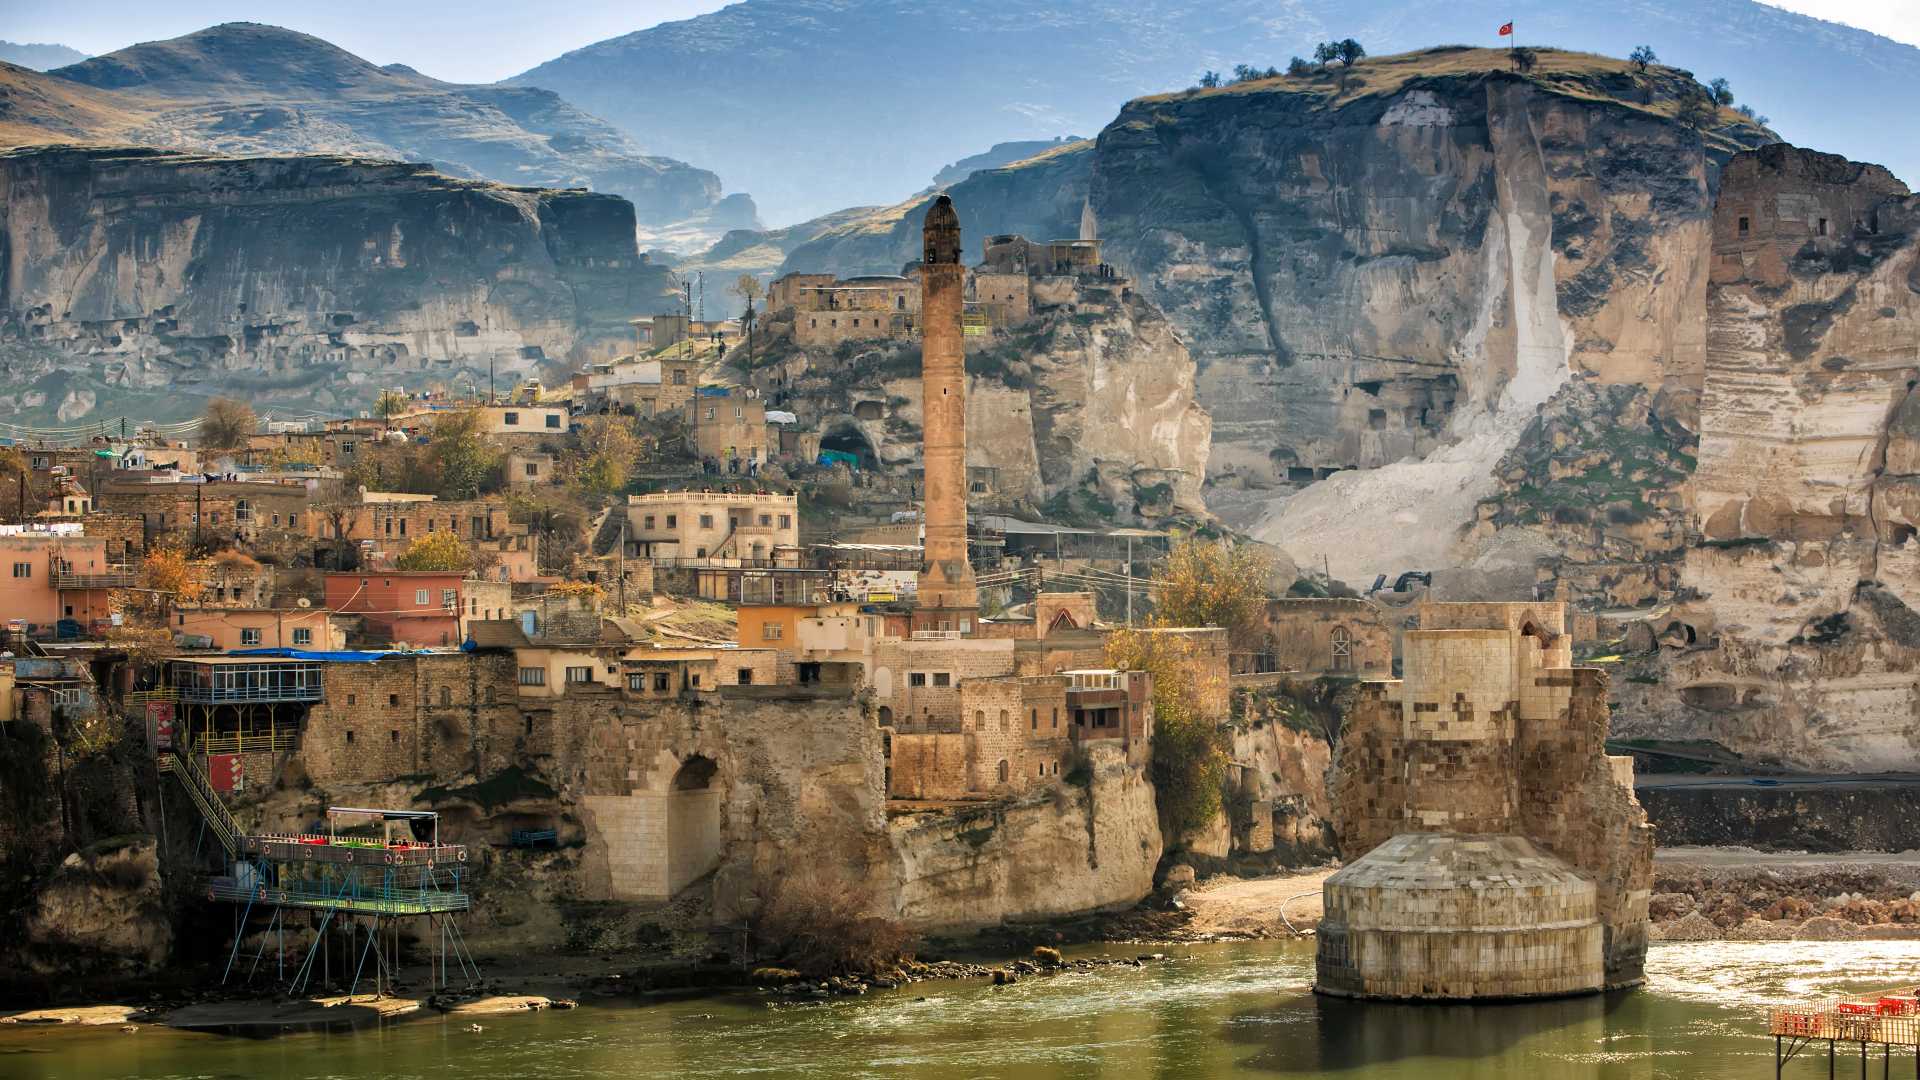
(1738, 894)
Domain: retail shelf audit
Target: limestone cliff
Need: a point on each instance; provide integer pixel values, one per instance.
(1803, 643)
(147, 279)
(1062, 851)
(1089, 407)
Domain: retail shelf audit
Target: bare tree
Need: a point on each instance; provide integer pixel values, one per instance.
(226, 424)
(1642, 56)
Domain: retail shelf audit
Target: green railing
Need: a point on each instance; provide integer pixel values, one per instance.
(201, 792)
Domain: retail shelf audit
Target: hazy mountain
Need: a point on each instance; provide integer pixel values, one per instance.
(819, 104)
(245, 88)
(39, 56)
(998, 154)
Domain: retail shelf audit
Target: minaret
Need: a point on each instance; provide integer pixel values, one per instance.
(948, 599)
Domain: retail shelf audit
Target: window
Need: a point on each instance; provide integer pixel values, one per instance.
(706, 521)
(979, 487)
(1056, 716)
(647, 523)
(23, 569)
(1003, 770)
(786, 521)
(661, 682)
(532, 469)
(393, 700)
(302, 636)
(393, 735)
(512, 419)
(694, 680)
(349, 699)
(918, 678)
(533, 676)
(553, 421)
(420, 597)
(746, 676)
(403, 526)
(349, 738)
(771, 631)
(1743, 226)
(1342, 648)
(250, 636)
(446, 697)
(673, 521)
(942, 678)
(766, 520)
(636, 682)
(680, 377)
(450, 599)
(1035, 720)
(709, 412)
(1821, 229)
(580, 674)
(346, 448)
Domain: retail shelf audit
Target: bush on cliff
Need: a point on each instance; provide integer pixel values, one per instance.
(1189, 747)
(817, 921)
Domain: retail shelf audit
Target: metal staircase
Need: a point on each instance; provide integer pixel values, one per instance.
(200, 790)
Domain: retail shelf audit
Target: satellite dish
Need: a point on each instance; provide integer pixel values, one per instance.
(303, 602)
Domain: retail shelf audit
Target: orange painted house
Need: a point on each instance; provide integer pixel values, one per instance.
(48, 577)
(261, 628)
(420, 607)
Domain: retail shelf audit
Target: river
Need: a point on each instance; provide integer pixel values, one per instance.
(1222, 1010)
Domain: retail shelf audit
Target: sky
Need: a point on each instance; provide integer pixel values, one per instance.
(488, 40)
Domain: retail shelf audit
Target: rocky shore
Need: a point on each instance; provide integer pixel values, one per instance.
(1737, 895)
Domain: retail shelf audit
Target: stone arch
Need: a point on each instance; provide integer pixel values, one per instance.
(1062, 620)
(693, 822)
(979, 720)
(883, 682)
(1004, 774)
(886, 716)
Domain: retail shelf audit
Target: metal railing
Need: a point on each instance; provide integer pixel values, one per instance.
(248, 743)
(119, 577)
(201, 792)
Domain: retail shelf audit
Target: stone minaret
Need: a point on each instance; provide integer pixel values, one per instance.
(948, 599)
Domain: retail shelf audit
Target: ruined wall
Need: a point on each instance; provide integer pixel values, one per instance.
(1057, 851)
(1804, 499)
(313, 279)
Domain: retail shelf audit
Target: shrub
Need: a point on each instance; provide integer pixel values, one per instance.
(816, 921)
(1047, 956)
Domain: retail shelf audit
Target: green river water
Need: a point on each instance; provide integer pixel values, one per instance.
(1229, 1010)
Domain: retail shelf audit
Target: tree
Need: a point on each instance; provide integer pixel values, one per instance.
(1722, 91)
(1524, 60)
(1326, 52)
(1349, 51)
(608, 465)
(173, 578)
(1642, 56)
(463, 460)
(1190, 749)
(1242, 72)
(1209, 583)
(390, 404)
(1210, 79)
(226, 424)
(1696, 107)
(1747, 111)
(1299, 66)
(443, 551)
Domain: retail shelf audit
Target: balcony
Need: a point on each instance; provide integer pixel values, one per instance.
(235, 681)
(113, 577)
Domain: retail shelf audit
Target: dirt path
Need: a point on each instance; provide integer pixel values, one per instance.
(1253, 907)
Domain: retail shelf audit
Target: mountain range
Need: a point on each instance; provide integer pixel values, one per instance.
(814, 105)
(248, 89)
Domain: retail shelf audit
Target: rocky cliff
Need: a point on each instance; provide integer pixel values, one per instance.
(244, 88)
(1063, 851)
(1088, 408)
(151, 277)
(1801, 641)
(1386, 275)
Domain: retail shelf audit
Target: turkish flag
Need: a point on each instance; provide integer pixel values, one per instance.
(1506, 30)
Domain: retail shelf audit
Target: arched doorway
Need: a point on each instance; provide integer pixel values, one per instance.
(693, 823)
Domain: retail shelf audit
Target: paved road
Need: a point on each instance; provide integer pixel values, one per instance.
(1800, 781)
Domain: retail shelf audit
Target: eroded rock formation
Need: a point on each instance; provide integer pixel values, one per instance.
(1804, 642)
(134, 274)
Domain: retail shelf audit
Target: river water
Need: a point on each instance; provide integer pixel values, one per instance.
(1225, 1010)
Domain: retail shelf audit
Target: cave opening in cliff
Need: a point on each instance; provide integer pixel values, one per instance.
(846, 438)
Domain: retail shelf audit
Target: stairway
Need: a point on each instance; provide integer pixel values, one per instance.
(200, 790)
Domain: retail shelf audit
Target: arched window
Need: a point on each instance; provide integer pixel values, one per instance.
(1036, 719)
(1003, 770)
(446, 697)
(1342, 643)
(1004, 725)
(979, 720)
(1056, 716)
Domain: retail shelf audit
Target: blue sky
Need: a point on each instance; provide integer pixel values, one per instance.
(485, 40)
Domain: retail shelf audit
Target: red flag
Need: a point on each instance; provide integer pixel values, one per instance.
(1506, 30)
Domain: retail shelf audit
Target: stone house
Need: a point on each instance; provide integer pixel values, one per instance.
(728, 429)
(1338, 636)
(722, 528)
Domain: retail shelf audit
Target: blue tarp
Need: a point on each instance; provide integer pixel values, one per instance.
(713, 391)
(312, 654)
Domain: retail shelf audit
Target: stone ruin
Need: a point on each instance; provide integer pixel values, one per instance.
(1494, 849)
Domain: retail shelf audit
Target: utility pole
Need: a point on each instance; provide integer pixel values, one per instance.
(1129, 579)
(490, 397)
(623, 559)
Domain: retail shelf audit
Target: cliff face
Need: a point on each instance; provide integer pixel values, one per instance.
(1807, 497)
(127, 272)
(1384, 282)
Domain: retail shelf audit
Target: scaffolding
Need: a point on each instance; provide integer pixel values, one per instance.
(1887, 1019)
